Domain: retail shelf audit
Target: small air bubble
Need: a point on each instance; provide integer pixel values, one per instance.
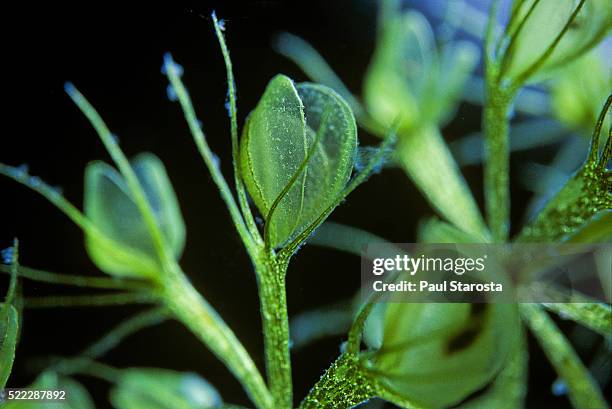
(259, 221)
(35, 182)
(170, 64)
(171, 93)
(115, 138)
(215, 160)
(199, 123)
(57, 190)
(559, 388)
(20, 172)
(7, 255)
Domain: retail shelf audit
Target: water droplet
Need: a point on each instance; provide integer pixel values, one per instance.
(57, 191)
(228, 108)
(215, 160)
(221, 24)
(559, 388)
(171, 93)
(35, 182)
(115, 138)
(7, 255)
(169, 65)
(23, 168)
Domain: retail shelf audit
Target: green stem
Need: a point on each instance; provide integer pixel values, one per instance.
(231, 93)
(189, 307)
(91, 300)
(275, 320)
(342, 386)
(497, 158)
(107, 283)
(583, 391)
(207, 155)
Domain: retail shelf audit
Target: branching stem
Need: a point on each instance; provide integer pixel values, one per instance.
(189, 307)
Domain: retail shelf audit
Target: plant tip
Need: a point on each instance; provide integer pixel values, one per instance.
(220, 23)
(69, 88)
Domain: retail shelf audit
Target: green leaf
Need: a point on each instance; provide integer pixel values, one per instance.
(9, 329)
(579, 90)
(456, 63)
(310, 326)
(77, 396)
(400, 63)
(110, 205)
(153, 388)
(422, 350)
(297, 154)
(510, 386)
(9, 317)
(537, 24)
(583, 391)
(434, 230)
(427, 160)
(409, 79)
(580, 202)
(344, 238)
(597, 230)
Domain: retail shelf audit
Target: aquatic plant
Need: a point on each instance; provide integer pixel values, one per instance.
(298, 158)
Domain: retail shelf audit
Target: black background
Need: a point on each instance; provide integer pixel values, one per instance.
(113, 54)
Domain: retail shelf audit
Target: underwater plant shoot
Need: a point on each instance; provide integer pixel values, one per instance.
(310, 205)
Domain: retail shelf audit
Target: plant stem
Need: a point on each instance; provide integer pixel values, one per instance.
(497, 158)
(275, 320)
(91, 300)
(583, 390)
(342, 386)
(107, 283)
(189, 307)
